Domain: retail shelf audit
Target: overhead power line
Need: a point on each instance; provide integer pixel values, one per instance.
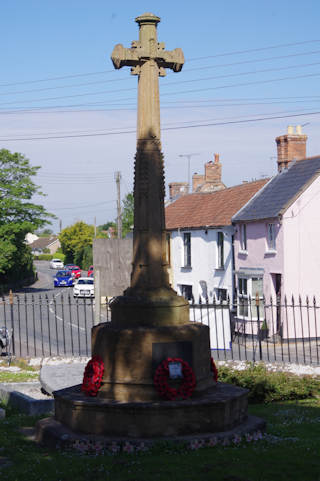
(165, 128)
(224, 54)
(259, 49)
(215, 66)
(167, 104)
(256, 82)
(49, 79)
(256, 60)
(67, 132)
(83, 206)
(65, 86)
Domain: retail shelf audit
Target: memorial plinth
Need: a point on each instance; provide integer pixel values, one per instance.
(149, 322)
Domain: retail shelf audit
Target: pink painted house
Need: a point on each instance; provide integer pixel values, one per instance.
(276, 246)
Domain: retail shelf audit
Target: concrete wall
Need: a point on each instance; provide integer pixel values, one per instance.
(112, 261)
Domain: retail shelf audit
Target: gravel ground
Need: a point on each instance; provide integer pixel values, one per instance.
(298, 369)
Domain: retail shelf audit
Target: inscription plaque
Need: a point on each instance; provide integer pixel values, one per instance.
(162, 350)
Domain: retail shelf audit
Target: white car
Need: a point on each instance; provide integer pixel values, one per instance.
(84, 287)
(56, 264)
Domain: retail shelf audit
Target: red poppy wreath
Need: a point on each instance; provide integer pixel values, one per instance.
(214, 370)
(161, 380)
(92, 376)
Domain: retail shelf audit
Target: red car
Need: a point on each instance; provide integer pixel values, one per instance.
(90, 271)
(75, 270)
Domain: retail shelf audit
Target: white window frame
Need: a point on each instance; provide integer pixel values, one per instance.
(220, 250)
(186, 239)
(244, 309)
(271, 237)
(243, 238)
(183, 289)
(224, 292)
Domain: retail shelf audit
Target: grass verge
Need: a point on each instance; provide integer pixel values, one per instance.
(290, 451)
(24, 374)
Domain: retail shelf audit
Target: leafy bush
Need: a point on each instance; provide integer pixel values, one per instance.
(48, 257)
(44, 257)
(84, 257)
(267, 386)
(58, 255)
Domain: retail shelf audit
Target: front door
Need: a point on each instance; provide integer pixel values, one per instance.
(278, 301)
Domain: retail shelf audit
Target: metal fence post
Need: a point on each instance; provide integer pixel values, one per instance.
(12, 324)
(259, 332)
(97, 297)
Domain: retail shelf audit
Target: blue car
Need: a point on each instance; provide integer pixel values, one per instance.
(63, 279)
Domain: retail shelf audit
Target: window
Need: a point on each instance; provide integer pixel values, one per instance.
(220, 250)
(250, 289)
(168, 248)
(186, 291)
(271, 237)
(243, 297)
(221, 294)
(187, 249)
(243, 237)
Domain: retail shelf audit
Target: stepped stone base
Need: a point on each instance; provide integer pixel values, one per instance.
(54, 434)
(220, 408)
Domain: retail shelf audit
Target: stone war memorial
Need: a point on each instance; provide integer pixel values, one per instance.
(157, 380)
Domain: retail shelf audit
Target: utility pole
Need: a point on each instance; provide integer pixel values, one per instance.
(119, 220)
(95, 227)
(188, 156)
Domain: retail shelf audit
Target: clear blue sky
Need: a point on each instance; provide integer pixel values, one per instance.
(244, 61)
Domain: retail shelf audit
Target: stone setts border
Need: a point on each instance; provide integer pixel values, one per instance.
(55, 435)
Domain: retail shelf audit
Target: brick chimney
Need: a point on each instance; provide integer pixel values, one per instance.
(291, 146)
(213, 170)
(177, 189)
(211, 180)
(197, 180)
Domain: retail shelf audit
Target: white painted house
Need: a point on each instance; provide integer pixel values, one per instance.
(201, 240)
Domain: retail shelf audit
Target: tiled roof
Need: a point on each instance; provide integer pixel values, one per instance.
(281, 191)
(210, 209)
(43, 242)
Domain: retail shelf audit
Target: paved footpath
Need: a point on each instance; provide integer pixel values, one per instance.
(59, 376)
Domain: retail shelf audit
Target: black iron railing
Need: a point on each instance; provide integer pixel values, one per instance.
(250, 330)
(44, 326)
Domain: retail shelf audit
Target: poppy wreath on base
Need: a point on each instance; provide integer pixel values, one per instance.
(161, 377)
(214, 370)
(92, 376)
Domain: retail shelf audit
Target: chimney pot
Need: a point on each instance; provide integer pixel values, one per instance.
(291, 146)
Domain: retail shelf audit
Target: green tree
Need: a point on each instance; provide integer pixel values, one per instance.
(127, 217)
(74, 239)
(18, 215)
(106, 226)
(127, 214)
(84, 257)
(44, 232)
